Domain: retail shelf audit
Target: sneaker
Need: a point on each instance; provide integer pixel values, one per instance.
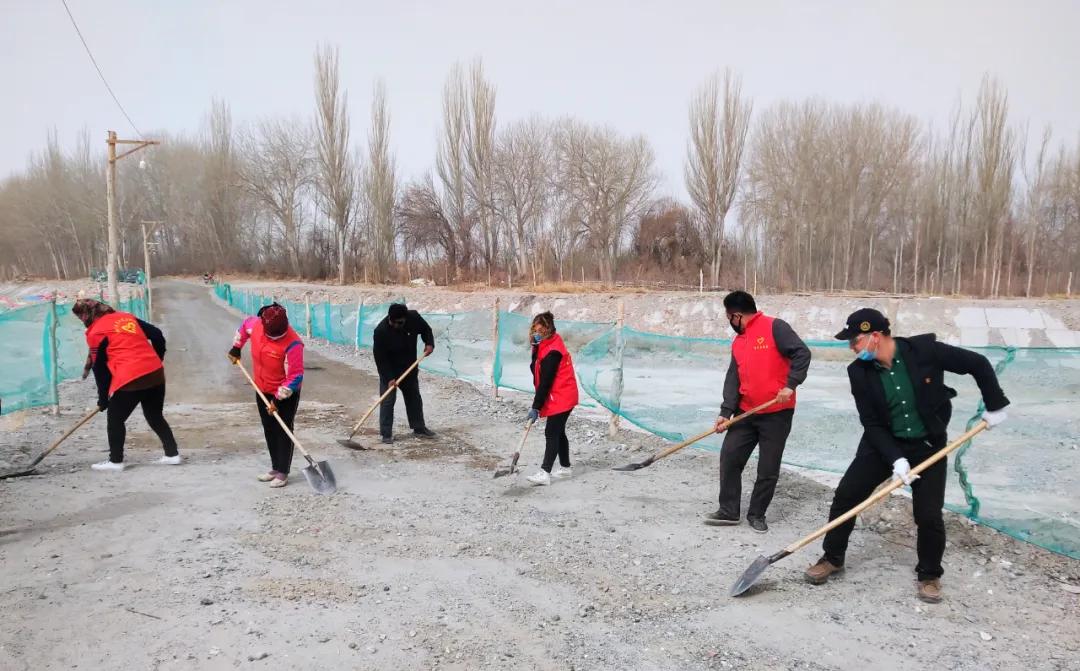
(561, 473)
(170, 461)
(280, 481)
(720, 519)
(107, 466)
(819, 573)
(388, 440)
(425, 433)
(758, 524)
(930, 591)
(541, 479)
(267, 477)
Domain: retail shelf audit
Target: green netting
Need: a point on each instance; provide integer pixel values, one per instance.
(1020, 478)
(30, 378)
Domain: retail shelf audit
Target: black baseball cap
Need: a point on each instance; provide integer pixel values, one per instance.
(863, 320)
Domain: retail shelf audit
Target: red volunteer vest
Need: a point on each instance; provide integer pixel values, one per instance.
(268, 357)
(129, 355)
(564, 391)
(763, 371)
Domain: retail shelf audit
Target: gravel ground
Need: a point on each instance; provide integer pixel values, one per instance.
(423, 560)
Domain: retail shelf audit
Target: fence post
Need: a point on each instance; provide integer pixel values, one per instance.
(307, 305)
(1068, 287)
(54, 368)
(617, 380)
(359, 319)
(701, 281)
(494, 345)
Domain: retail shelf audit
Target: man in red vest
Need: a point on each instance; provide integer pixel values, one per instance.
(768, 360)
(126, 355)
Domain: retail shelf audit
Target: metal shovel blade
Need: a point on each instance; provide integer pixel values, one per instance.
(17, 474)
(631, 467)
(750, 575)
(321, 478)
(351, 444)
(509, 470)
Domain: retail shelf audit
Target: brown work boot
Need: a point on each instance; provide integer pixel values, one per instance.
(930, 590)
(819, 573)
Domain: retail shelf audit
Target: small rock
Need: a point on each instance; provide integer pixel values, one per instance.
(985, 636)
(353, 646)
(206, 601)
(257, 656)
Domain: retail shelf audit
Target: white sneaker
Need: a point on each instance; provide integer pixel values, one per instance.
(540, 479)
(107, 466)
(562, 473)
(170, 461)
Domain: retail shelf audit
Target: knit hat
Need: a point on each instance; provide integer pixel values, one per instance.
(275, 320)
(89, 310)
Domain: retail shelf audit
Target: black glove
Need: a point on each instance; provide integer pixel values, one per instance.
(102, 404)
(234, 355)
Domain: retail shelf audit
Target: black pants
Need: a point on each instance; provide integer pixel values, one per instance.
(414, 405)
(122, 404)
(557, 442)
(768, 432)
(278, 442)
(866, 472)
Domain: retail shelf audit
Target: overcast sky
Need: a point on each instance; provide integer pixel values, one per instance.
(633, 65)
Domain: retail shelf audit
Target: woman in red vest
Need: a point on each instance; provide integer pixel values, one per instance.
(126, 355)
(556, 395)
(277, 356)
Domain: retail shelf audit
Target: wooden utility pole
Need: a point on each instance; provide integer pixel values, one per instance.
(617, 379)
(495, 346)
(146, 235)
(110, 200)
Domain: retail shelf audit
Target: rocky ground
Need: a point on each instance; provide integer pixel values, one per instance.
(423, 560)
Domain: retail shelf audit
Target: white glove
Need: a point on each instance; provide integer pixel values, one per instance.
(901, 470)
(993, 417)
(283, 393)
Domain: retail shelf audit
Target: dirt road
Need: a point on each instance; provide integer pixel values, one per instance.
(422, 560)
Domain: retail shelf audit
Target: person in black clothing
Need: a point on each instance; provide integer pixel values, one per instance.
(904, 407)
(394, 348)
(556, 395)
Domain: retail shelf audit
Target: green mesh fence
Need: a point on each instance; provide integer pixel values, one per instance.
(1020, 478)
(30, 378)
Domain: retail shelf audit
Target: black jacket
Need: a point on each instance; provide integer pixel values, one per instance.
(926, 360)
(395, 350)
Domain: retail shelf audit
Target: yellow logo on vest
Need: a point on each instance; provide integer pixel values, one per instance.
(126, 326)
(761, 344)
(864, 327)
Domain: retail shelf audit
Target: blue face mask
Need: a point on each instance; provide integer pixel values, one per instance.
(865, 355)
(536, 338)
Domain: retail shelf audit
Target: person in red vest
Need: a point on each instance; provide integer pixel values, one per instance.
(277, 356)
(768, 361)
(126, 355)
(555, 398)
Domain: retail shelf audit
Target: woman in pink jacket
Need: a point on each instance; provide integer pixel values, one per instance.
(277, 356)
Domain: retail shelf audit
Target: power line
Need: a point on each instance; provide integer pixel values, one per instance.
(98, 68)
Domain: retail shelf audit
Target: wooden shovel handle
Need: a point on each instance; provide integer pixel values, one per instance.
(274, 412)
(86, 418)
(895, 483)
(702, 436)
(386, 393)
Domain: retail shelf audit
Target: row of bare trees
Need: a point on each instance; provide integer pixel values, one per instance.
(805, 195)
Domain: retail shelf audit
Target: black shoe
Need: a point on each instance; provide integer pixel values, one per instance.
(424, 433)
(719, 519)
(758, 524)
(388, 440)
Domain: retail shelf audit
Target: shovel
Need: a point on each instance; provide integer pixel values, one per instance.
(352, 444)
(514, 459)
(318, 475)
(701, 436)
(751, 574)
(37, 460)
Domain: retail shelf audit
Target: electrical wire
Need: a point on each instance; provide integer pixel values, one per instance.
(98, 68)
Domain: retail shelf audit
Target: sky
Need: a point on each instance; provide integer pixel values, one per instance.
(633, 65)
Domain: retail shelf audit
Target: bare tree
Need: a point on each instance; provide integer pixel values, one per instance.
(450, 165)
(718, 129)
(522, 185)
(278, 169)
(610, 180)
(336, 182)
(380, 184)
(480, 160)
(424, 224)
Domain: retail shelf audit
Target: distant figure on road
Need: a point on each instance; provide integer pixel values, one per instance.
(126, 356)
(277, 356)
(768, 360)
(556, 396)
(394, 349)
